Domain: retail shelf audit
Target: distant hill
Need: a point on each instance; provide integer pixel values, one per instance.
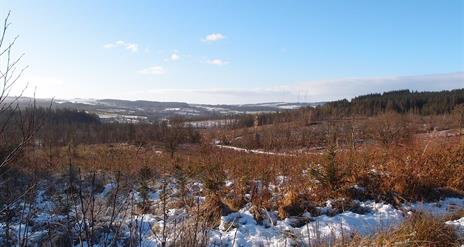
(401, 101)
(114, 110)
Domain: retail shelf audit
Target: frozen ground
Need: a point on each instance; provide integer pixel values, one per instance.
(235, 229)
(379, 216)
(255, 151)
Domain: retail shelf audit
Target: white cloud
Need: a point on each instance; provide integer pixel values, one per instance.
(132, 47)
(174, 57)
(217, 61)
(307, 91)
(153, 70)
(213, 37)
(352, 87)
(310, 91)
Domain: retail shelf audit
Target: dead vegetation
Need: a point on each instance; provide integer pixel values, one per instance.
(193, 186)
(417, 230)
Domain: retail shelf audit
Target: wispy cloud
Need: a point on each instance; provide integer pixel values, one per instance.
(173, 57)
(217, 61)
(310, 91)
(214, 95)
(351, 87)
(213, 37)
(132, 47)
(153, 70)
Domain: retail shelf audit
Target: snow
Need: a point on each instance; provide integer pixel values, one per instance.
(241, 229)
(458, 226)
(289, 107)
(107, 189)
(321, 228)
(437, 208)
(255, 151)
(211, 123)
(81, 101)
(121, 118)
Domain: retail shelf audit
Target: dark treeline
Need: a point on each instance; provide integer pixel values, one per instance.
(57, 127)
(401, 101)
(67, 116)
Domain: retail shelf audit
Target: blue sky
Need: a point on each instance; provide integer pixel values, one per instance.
(237, 51)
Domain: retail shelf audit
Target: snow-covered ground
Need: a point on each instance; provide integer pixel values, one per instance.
(255, 151)
(320, 228)
(211, 123)
(324, 228)
(235, 229)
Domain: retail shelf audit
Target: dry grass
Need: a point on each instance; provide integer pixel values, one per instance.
(417, 172)
(418, 230)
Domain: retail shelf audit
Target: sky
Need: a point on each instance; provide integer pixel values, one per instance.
(236, 52)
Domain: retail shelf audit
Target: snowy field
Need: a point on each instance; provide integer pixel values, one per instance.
(235, 229)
